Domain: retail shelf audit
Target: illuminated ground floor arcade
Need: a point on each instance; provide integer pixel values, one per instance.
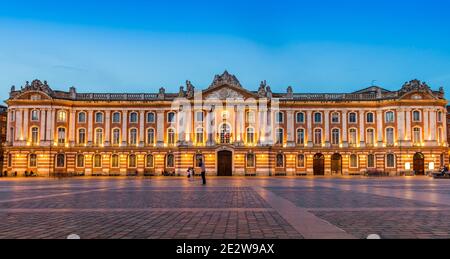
(222, 161)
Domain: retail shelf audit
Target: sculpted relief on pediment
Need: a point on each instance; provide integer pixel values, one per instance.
(225, 93)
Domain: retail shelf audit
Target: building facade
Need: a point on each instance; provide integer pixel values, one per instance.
(3, 119)
(236, 132)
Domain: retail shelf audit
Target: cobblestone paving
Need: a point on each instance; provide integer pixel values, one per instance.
(148, 225)
(392, 224)
(320, 197)
(227, 208)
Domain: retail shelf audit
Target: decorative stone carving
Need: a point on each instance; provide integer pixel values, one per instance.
(415, 85)
(224, 94)
(225, 79)
(162, 93)
(37, 85)
(262, 89)
(290, 92)
(181, 93)
(190, 89)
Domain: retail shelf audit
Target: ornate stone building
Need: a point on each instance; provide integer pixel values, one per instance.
(235, 131)
(3, 118)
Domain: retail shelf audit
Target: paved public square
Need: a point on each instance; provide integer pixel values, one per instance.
(227, 208)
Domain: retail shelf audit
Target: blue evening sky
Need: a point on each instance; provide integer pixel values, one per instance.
(139, 46)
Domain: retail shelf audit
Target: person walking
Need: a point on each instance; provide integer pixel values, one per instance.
(203, 168)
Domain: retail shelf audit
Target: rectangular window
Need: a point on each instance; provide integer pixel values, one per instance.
(34, 115)
(61, 135)
(199, 117)
(250, 160)
(301, 161)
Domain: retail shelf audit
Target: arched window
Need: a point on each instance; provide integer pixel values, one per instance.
(32, 160)
(81, 117)
(317, 117)
(133, 117)
(390, 117)
(318, 136)
(81, 136)
(149, 161)
(34, 115)
(280, 161)
(60, 161)
(171, 117)
(150, 136)
(280, 136)
(335, 137)
(390, 161)
(300, 117)
(132, 161)
(390, 136)
(352, 117)
(417, 135)
(80, 160)
(225, 134)
(416, 116)
(250, 135)
(116, 137)
(98, 137)
(300, 136)
(335, 117)
(199, 116)
(199, 135)
(61, 135)
(34, 135)
(115, 161)
(250, 160)
(116, 117)
(251, 117)
(370, 137)
(61, 116)
(353, 137)
(133, 137)
(371, 161)
(171, 136)
(439, 117)
(97, 161)
(170, 161)
(440, 135)
(301, 161)
(10, 158)
(279, 117)
(370, 118)
(151, 117)
(98, 117)
(353, 161)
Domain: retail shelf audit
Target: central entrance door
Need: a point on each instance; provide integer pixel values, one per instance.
(319, 165)
(419, 164)
(224, 163)
(336, 164)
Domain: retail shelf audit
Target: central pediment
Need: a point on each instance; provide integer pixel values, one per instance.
(224, 93)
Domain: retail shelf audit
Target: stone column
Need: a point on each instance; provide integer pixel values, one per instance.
(141, 128)
(18, 129)
(8, 127)
(107, 128)
(380, 133)
(327, 128)
(309, 126)
(433, 126)
(90, 129)
(52, 126)
(72, 128)
(362, 129)
(42, 129)
(426, 124)
(408, 127)
(26, 118)
(124, 128)
(400, 126)
(290, 129)
(344, 129)
(160, 129)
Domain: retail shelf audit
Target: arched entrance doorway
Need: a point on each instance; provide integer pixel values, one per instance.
(319, 165)
(419, 164)
(225, 163)
(336, 164)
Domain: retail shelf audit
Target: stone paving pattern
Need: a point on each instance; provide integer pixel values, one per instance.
(227, 208)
